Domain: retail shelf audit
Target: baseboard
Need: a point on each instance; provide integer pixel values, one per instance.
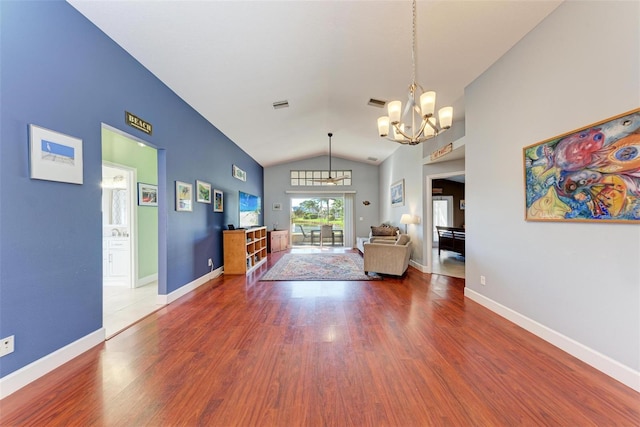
(146, 280)
(418, 266)
(601, 362)
(27, 374)
(183, 290)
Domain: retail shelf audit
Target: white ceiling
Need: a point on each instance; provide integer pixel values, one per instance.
(231, 60)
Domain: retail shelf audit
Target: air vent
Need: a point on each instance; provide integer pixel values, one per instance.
(377, 103)
(280, 104)
(373, 159)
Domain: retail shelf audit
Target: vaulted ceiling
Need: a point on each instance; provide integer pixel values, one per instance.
(231, 60)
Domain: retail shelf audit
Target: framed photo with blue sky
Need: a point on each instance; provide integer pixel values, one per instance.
(54, 156)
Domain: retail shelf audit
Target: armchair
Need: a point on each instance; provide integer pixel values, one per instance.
(387, 256)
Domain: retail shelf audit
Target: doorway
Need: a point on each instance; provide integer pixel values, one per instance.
(118, 226)
(443, 212)
(130, 231)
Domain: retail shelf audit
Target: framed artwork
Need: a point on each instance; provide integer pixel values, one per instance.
(397, 193)
(462, 204)
(277, 206)
(589, 174)
(54, 156)
(147, 194)
(184, 196)
(203, 192)
(239, 173)
(218, 201)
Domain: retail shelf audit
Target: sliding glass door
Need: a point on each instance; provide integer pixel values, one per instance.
(309, 215)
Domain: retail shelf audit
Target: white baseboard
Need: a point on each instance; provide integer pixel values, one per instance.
(601, 362)
(418, 266)
(16, 380)
(146, 280)
(183, 290)
(27, 374)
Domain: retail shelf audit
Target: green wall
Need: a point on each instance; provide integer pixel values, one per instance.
(127, 152)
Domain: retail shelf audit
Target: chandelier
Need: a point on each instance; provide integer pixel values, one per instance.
(417, 123)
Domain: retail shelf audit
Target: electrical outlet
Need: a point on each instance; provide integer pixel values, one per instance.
(483, 281)
(210, 262)
(6, 346)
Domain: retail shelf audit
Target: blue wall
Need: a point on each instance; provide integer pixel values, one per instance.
(60, 72)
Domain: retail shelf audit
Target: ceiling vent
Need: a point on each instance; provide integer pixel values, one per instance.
(280, 104)
(377, 103)
(372, 159)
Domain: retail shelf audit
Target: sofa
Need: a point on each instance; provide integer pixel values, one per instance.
(381, 232)
(387, 256)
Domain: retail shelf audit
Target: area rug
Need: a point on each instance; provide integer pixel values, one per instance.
(336, 266)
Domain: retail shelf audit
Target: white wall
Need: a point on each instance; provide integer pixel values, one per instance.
(580, 280)
(405, 163)
(364, 183)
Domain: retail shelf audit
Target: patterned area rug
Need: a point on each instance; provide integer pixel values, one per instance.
(348, 266)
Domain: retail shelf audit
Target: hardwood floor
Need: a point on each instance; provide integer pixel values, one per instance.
(398, 352)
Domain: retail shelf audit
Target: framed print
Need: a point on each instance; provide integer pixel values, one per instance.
(397, 193)
(218, 201)
(462, 204)
(203, 192)
(54, 156)
(277, 206)
(239, 173)
(184, 196)
(589, 174)
(147, 194)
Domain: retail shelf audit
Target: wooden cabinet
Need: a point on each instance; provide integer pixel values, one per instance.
(244, 250)
(277, 240)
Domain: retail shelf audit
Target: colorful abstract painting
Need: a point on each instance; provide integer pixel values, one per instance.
(591, 174)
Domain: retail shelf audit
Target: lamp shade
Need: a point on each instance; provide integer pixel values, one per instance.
(427, 103)
(383, 126)
(430, 130)
(396, 132)
(406, 219)
(446, 117)
(395, 110)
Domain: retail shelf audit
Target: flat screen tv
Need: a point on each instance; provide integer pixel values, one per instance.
(250, 207)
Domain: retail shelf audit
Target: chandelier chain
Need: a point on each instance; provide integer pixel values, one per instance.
(413, 46)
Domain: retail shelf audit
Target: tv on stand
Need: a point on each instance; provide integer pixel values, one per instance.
(250, 208)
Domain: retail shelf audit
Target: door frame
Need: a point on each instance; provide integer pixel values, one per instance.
(131, 218)
(427, 231)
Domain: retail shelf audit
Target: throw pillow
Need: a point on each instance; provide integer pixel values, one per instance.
(403, 239)
(383, 231)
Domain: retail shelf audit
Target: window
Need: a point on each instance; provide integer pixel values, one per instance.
(312, 178)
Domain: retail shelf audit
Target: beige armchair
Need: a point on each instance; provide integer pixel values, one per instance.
(387, 256)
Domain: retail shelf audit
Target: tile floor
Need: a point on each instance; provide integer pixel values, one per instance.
(448, 264)
(124, 306)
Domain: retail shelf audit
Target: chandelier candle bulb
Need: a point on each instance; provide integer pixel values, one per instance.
(418, 114)
(428, 103)
(383, 126)
(446, 117)
(430, 128)
(395, 110)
